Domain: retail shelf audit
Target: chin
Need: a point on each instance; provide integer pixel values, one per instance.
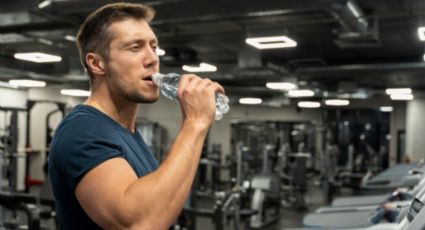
(150, 101)
(140, 98)
(147, 100)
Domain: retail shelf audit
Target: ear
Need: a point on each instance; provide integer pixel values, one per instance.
(96, 64)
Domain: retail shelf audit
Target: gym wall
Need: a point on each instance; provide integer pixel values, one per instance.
(415, 129)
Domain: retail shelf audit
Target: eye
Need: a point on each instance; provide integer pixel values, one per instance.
(135, 48)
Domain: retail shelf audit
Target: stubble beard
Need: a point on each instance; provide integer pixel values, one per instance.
(132, 95)
(136, 97)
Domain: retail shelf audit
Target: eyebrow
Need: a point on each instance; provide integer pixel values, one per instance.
(143, 41)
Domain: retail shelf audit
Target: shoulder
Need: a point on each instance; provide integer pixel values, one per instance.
(82, 134)
(82, 122)
(82, 141)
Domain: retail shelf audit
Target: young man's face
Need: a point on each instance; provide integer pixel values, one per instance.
(132, 61)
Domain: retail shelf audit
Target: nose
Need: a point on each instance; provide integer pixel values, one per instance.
(151, 59)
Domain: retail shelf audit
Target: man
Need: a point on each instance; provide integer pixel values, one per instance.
(102, 173)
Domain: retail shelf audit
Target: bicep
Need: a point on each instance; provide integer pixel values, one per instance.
(100, 191)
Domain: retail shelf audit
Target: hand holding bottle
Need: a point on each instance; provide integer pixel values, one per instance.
(169, 84)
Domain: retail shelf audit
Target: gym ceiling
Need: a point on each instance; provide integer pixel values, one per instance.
(344, 49)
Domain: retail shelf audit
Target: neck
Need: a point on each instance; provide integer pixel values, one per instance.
(123, 112)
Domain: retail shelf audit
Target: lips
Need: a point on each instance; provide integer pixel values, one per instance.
(148, 81)
(147, 78)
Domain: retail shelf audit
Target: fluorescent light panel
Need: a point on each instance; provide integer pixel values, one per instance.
(308, 104)
(250, 100)
(300, 93)
(203, 67)
(391, 91)
(281, 85)
(160, 52)
(44, 4)
(421, 33)
(401, 97)
(75, 92)
(353, 9)
(337, 102)
(274, 42)
(386, 109)
(7, 85)
(38, 57)
(45, 41)
(27, 83)
(70, 38)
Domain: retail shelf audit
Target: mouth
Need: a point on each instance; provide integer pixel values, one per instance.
(148, 78)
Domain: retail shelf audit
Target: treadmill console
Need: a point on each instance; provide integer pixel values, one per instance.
(414, 209)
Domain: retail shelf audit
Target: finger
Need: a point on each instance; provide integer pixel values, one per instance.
(184, 80)
(187, 83)
(217, 88)
(194, 82)
(205, 83)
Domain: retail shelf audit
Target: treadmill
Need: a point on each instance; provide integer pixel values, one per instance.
(403, 175)
(373, 199)
(383, 178)
(345, 219)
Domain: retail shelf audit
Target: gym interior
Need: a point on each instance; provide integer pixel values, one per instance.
(325, 128)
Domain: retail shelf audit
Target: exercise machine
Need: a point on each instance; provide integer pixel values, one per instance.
(266, 196)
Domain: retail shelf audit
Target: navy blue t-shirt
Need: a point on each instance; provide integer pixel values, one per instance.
(84, 139)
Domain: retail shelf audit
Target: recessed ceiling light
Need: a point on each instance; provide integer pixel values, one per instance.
(398, 91)
(70, 38)
(38, 57)
(308, 104)
(203, 67)
(271, 42)
(421, 33)
(337, 102)
(160, 52)
(386, 109)
(250, 100)
(281, 85)
(44, 4)
(27, 83)
(423, 57)
(75, 92)
(301, 93)
(401, 97)
(45, 41)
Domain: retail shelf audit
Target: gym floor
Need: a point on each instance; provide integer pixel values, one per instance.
(290, 217)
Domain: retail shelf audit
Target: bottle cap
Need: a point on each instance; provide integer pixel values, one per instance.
(156, 77)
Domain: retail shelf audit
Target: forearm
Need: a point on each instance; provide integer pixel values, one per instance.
(163, 192)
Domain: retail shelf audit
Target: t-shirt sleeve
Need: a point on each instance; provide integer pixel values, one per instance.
(82, 145)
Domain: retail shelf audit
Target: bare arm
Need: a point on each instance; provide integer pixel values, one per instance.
(115, 198)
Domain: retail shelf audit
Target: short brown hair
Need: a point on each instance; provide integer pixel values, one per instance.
(93, 35)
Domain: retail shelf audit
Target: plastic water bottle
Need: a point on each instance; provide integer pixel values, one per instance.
(169, 83)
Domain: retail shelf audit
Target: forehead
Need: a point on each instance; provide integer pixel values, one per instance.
(129, 29)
